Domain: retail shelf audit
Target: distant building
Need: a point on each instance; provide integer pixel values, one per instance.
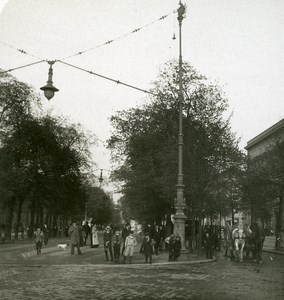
(265, 140)
(257, 148)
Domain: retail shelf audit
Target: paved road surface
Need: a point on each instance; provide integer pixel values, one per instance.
(81, 277)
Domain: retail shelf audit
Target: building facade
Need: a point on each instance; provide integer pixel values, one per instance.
(259, 151)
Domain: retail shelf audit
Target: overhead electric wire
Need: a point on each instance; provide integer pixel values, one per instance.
(107, 78)
(93, 48)
(21, 67)
(118, 38)
(20, 50)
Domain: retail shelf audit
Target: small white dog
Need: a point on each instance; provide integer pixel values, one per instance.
(62, 246)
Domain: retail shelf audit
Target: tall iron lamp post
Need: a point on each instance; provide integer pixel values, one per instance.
(179, 217)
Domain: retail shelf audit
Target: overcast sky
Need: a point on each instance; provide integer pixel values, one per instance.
(239, 43)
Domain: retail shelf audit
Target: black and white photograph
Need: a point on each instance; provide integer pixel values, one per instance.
(141, 149)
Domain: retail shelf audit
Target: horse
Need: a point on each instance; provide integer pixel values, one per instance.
(227, 241)
(256, 241)
(239, 238)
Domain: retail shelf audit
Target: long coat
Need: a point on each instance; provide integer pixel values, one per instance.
(130, 244)
(75, 232)
(147, 247)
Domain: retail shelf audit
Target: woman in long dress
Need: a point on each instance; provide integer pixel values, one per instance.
(94, 237)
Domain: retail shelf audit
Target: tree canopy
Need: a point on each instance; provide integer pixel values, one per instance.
(144, 146)
(45, 160)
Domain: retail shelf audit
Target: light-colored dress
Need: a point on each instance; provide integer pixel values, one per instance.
(130, 244)
(94, 237)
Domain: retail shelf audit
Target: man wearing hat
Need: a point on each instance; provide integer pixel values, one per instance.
(75, 232)
(108, 242)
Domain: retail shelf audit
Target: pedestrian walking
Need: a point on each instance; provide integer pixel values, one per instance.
(94, 236)
(130, 244)
(125, 233)
(208, 243)
(108, 242)
(87, 230)
(163, 237)
(157, 238)
(75, 235)
(38, 237)
(148, 248)
(171, 241)
(177, 247)
(116, 242)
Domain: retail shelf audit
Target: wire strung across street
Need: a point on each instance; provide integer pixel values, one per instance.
(93, 48)
(21, 67)
(108, 78)
(82, 52)
(20, 50)
(118, 38)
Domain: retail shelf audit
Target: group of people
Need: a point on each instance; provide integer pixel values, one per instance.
(118, 243)
(121, 243)
(155, 241)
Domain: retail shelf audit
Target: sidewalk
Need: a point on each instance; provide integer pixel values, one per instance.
(23, 252)
(269, 246)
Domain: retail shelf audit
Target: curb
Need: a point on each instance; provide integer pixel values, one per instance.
(127, 265)
(273, 251)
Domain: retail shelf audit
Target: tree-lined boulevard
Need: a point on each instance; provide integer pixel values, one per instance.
(204, 218)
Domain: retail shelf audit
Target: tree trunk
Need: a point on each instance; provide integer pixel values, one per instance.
(9, 220)
(32, 223)
(19, 218)
(199, 240)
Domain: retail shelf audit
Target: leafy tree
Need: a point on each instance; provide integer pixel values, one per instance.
(44, 160)
(144, 143)
(100, 205)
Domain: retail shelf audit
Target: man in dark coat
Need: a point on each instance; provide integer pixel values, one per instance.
(108, 242)
(157, 238)
(116, 242)
(87, 229)
(208, 243)
(75, 232)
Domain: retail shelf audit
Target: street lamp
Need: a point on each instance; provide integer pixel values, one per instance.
(49, 89)
(179, 217)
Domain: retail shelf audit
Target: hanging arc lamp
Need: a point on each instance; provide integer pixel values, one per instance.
(49, 89)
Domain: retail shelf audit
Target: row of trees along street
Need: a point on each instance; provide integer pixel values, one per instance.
(45, 164)
(144, 148)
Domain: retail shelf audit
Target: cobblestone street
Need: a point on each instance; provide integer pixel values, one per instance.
(215, 280)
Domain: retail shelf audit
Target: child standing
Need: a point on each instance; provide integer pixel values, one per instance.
(38, 240)
(130, 244)
(147, 246)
